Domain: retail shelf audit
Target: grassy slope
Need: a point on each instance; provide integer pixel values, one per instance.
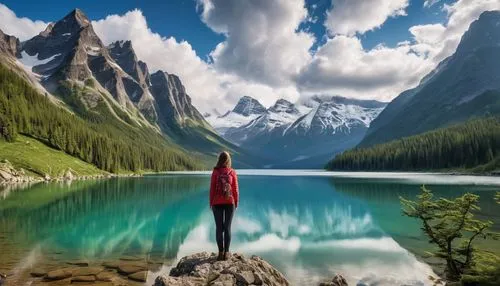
(37, 158)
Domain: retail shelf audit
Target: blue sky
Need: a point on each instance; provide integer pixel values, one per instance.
(272, 49)
(181, 19)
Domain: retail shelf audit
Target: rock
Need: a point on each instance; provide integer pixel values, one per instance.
(131, 268)
(37, 272)
(140, 276)
(86, 271)
(3, 277)
(68, 175)
(104, 276)
(111, 264)
(87, 278)
(131, 258)
(337, 280)
(203, 268)
(224, 280)
(178, 281)
(58, 274)
(245, 277)
(78, 263)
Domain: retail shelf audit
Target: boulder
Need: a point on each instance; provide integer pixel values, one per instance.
(131, 268)
(78, 263)
(86, 278)
(104, 276)
(337, 280)
(58, 274)
(86, 271)
(38, 272)
(204, 269)
(140, 276)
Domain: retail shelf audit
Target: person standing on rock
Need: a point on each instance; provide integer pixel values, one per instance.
(224, 197)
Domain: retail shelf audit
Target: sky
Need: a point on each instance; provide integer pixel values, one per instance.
(271, 49)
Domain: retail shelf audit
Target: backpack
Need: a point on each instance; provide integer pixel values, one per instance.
(224, 186)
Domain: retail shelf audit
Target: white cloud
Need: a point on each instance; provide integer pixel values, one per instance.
(262, 42)
(342, 66)
(441, 40)
(22, 28)
(264, 55)
(208, 87)
(348, 17)
(430, 3)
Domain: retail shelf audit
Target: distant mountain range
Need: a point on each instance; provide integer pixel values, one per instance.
(70, 63)
(463, 86)
(303, 135)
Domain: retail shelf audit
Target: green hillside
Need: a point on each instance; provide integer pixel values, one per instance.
(39, 159)
(474, 145)
(101, 140)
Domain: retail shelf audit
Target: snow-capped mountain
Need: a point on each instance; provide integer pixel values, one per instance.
(246, 110)
(307, 133)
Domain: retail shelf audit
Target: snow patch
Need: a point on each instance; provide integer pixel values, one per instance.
(32, 61)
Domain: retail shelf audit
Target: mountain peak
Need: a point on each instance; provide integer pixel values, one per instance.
(77, 17)
(283, 105)
(248, 105)
(484, 32)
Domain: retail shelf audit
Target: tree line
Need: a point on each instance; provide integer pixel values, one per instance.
(107, 143)
(467, 145)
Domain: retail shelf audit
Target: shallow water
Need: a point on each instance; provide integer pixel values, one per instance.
(309, 224)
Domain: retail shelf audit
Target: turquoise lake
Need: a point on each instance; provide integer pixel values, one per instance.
(308, 224)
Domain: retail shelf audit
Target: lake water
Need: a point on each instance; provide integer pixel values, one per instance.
(308, 224)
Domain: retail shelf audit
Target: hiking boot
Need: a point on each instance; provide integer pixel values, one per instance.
(220, 257)
(227, 255)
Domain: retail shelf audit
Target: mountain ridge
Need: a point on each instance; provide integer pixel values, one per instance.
(69, 63)
(459, 82)
(310, 131)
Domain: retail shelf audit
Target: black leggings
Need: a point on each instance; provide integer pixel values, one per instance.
(223, 215)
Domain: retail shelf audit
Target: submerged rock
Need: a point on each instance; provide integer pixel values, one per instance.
(140, 276)
(204, 269)
(58, 274)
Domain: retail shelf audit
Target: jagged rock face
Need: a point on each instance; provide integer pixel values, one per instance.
(9, 45)
(173, 104)
(204, 269)
(247, 106)
(124, 55)
(71, 50)
(454, 92)
(283, 105)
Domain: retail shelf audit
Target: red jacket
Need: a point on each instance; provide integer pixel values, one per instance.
(219, 199)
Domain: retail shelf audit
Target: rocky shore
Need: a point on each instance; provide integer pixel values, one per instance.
(10, 175)
(198, 269)
(203, 269)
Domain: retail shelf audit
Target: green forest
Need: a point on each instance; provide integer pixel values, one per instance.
(111, 145)
(471, 145)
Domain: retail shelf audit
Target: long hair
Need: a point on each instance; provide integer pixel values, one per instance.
(224, 160)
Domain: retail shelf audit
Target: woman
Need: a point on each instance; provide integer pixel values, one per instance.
(223, 201)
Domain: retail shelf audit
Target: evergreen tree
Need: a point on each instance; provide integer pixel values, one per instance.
(450, 225)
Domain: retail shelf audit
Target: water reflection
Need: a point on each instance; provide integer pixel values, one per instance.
(308, 227)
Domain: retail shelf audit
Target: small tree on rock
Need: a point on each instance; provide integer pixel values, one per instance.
(451, 226)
